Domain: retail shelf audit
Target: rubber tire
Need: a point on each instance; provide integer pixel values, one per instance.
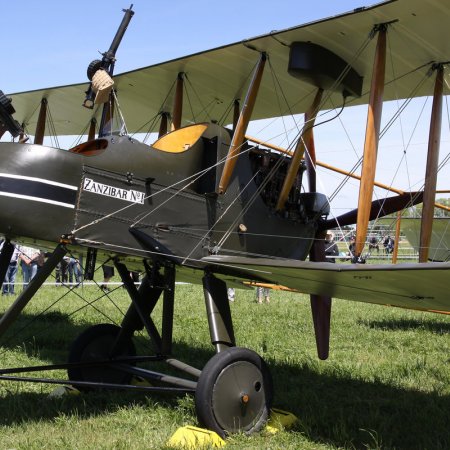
(92, 68)
(224, 379)
(94, 344)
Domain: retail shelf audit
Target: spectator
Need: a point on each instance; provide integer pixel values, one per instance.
(373, 244)
(37, 261)
(11, 271)
(352, 247)
(331, 248)
(74, 270)
(108, 273)
(26, 255)
(262, 292)
(388, 244)
(61, 271)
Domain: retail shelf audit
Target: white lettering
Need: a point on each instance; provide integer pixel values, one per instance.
(131, 195)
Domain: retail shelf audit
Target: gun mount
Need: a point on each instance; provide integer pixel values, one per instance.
(108, 60)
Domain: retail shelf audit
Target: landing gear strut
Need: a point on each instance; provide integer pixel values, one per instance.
(233, 393)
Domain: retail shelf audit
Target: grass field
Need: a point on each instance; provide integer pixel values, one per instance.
(385, 385)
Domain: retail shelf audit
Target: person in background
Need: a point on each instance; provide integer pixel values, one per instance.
(61, 271)
(37, 261)
(74, 270)
(108, 273)
(11, 272)
(352, 246)
(26, 255)
(331, 248)
(388, 244)
(262, 292)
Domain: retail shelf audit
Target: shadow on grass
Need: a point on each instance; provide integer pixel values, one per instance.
(340, 411)
(440, 328)
(348, 412)
(45, 335)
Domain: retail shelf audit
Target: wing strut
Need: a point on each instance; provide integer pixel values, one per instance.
(92, 125)
(374, 110)
(397, 237)
(163, 124)
(310, 117)
(343, 172)
(320, 304)
(40, 127)
(241, 127)
(178, 103)
(106, 123)
(236, 106)
(429, 192)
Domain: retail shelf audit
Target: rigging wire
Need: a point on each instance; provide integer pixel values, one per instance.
(189, 100)
(51, 126)
(204, 108)
(161, 110)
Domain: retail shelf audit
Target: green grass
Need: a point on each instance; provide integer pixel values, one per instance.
(385, 385)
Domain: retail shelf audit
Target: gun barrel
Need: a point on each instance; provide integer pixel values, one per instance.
(120, 32)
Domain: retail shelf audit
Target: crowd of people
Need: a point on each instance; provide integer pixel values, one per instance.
(30, 260)
(332, 250)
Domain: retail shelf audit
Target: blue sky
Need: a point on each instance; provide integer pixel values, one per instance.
(49, 43)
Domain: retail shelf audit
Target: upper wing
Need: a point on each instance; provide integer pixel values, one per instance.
(419, 36)
(415, 286)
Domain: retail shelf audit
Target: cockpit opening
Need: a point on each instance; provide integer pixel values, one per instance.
(90, 148)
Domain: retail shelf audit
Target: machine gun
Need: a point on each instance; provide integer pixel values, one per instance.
(7, 122)
(109, 58)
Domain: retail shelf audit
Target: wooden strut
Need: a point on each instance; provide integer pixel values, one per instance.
(236, 107)
(299, 152)
(320, 304)
(429, 192)
(341, 171)
(397, 237)
(371, 142)
(91, 134)
(311, 153)
(163, 124)
(242, 124)
(40, 127)
(178, 102)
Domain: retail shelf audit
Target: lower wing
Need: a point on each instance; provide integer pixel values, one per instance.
(420, 286)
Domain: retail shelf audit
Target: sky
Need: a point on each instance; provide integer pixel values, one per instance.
(51, 42)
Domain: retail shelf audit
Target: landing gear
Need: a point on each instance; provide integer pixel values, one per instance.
(234, 392)
(100, 343)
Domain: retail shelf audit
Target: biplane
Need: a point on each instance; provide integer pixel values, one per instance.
(207, 204)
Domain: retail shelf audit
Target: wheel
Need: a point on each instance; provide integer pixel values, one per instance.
(234, 392)
(93, 67)
(95, 344)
